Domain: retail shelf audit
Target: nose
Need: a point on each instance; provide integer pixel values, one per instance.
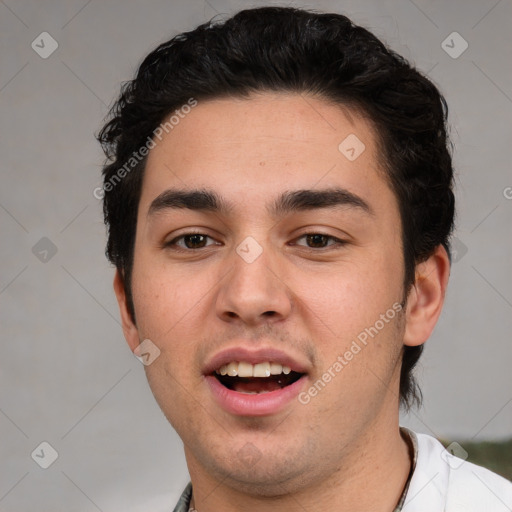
(255, 291)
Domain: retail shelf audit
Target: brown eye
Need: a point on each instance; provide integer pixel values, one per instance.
(319, 241)
(194, 241)
(190, 241)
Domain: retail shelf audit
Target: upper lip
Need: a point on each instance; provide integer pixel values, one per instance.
(253, 356)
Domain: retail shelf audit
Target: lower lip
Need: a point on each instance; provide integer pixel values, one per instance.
(261, 404)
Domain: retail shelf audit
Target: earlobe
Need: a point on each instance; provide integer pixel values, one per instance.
(426, 298)
(130, 331)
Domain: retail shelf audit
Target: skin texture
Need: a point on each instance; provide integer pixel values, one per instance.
(343, 449)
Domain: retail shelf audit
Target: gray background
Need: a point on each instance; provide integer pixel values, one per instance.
(67, 376)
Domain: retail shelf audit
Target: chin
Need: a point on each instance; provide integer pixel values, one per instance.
(271, 472)
(268, 482)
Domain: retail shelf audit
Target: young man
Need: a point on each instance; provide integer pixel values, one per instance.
(279, 203)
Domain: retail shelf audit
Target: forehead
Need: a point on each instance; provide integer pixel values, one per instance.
(267, 143)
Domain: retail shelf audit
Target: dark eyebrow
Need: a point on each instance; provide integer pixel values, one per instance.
(201, 200)
(299, 200)
(287, 202)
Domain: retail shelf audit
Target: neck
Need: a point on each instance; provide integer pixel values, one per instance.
(371, 477)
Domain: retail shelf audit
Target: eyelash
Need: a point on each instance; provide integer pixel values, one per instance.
(338, 243)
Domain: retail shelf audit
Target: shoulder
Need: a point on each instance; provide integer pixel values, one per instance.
(444, 482)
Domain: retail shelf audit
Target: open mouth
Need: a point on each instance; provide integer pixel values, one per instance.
(247, 378)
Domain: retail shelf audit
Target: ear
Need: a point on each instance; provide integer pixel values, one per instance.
(426, 297)
(131, 333)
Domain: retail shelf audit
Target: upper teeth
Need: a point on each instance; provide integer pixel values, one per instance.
(243, 369)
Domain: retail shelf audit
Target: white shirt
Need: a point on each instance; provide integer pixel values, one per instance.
(442, 482)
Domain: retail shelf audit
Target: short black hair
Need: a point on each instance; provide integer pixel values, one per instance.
(306, 52)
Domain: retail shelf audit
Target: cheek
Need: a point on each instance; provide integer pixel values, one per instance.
(168, 309)
(344, 318)
(166, 299)
(352, 296)
(173, 392)
(171, 308)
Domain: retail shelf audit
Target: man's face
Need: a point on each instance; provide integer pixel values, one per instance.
(254, 283)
